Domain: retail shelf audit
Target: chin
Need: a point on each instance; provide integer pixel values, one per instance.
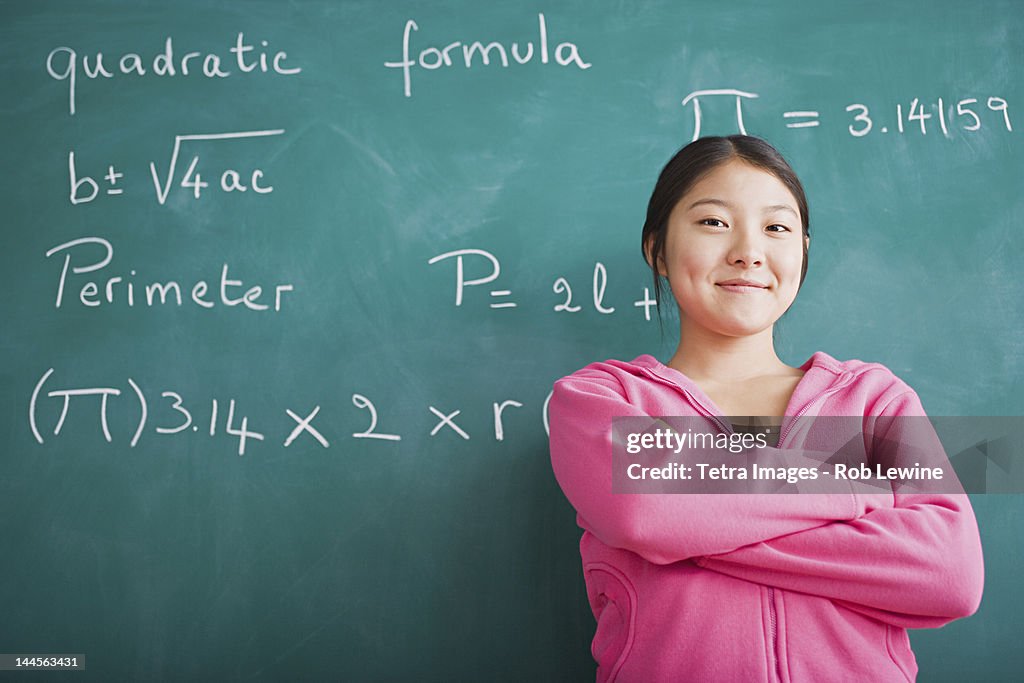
(740, 328)
(730, 323)
(749, 332)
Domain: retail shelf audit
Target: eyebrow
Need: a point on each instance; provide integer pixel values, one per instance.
(729, 205)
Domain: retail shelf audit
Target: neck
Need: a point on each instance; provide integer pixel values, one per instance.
(709, 356)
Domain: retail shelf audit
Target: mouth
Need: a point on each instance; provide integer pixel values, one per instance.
(741, 287)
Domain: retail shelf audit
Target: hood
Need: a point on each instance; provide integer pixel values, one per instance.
(823, 376)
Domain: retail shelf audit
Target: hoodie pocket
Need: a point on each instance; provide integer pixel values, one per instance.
(613, 602)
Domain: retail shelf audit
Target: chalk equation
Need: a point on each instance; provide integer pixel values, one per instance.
(176, 415)
(560, 286)
(861, 118)
(85, 188)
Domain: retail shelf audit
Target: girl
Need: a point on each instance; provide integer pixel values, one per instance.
(748, 587)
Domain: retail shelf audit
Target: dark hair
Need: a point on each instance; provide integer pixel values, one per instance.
(693, 162)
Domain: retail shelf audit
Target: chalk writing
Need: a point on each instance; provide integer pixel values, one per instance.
(120, 289)
(179, 415)
(862, 122)
(561, 285)
(65, 64)
(430, 58)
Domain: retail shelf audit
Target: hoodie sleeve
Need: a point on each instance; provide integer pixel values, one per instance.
(665, 528)
(918, 564)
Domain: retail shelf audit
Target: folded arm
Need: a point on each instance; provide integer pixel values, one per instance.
(665, 528)
(918, 564)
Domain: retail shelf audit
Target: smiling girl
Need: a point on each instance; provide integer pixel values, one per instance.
(749, 587)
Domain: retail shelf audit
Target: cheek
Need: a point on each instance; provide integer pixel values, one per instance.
(788, 269)
(791, 262)
(688, 266)
(692, 263)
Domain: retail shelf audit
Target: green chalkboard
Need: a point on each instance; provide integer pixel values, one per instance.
(391, 227)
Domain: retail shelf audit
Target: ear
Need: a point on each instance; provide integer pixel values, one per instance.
(807, 241)
(661, 260)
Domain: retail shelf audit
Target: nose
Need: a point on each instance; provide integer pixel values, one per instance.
(746, 250)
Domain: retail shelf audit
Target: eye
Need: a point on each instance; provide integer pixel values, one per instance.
(704, 221)
(779, 225)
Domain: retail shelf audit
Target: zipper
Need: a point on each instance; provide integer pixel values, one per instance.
(727, 428)
(783, 433)
(788, 424)
(774, 633)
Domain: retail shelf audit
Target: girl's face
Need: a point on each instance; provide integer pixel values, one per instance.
(734, 250)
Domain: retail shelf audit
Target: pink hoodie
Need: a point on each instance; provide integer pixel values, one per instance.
(745, 587)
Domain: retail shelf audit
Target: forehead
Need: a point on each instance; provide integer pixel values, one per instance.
(739, 182)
